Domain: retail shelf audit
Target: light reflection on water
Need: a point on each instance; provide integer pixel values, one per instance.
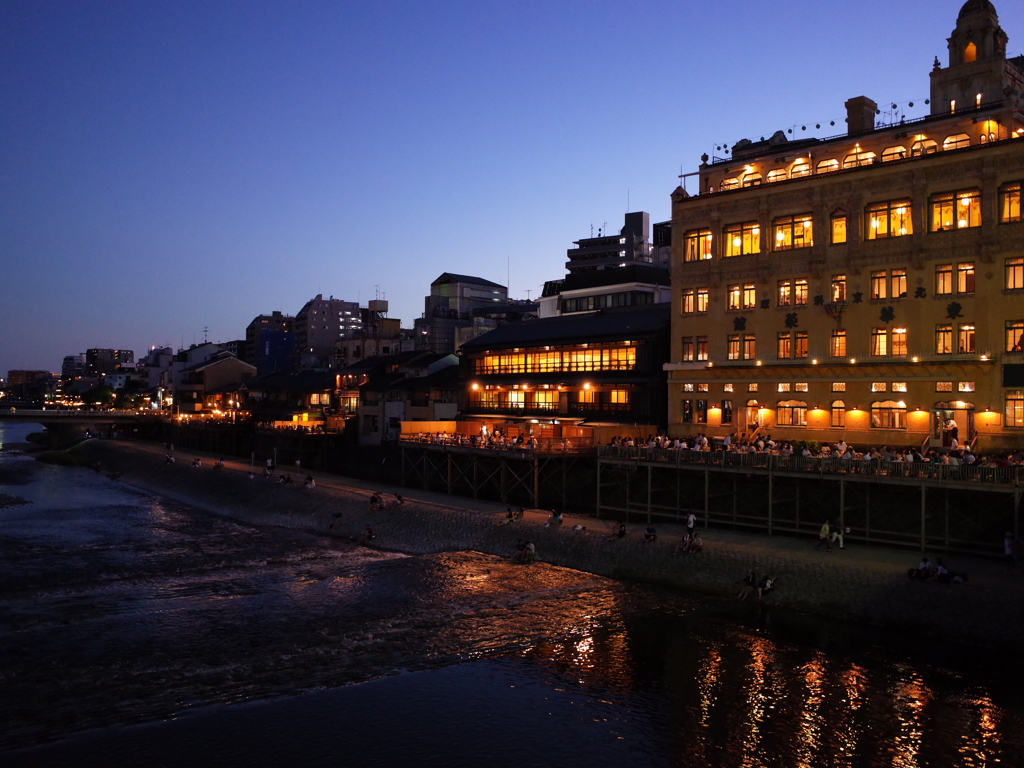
(117, 609)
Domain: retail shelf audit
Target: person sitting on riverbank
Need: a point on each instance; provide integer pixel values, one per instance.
(579, 528)
(766, 586)
(252, 475)
(520, 513)
(368, 534)
(168, 459)
(555, 518)
(749, 586)
(696, 545)
(219, 464)
(924, 571)
(684, 544)
(508, 519)
(529, 553)
(825, 537)
(310, 483)
(650, 534)
(399, 500)
(267, 474)
(619, 532)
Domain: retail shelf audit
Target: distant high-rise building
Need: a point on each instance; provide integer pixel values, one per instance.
(319, 325)
(449, 307)
(608, 251)
(73, 367)
(107, 360)
(278, 325)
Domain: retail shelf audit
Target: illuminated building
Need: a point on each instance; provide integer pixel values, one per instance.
(868, 286)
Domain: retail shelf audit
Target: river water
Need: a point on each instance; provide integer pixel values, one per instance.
(144, 632)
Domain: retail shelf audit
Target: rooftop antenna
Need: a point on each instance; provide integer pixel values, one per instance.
(528, 290)
(591, 229)
(206, 330)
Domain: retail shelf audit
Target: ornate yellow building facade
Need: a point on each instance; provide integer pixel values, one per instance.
(867, 287)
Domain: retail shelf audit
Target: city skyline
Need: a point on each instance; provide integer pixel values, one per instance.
(174, 167)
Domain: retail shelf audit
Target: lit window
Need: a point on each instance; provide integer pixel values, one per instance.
(1009, 203)
(784, 347)
(893, 153)
(800, 349)
(730, 184)
(943, 386)
(857, 159)
(838, 287)
(783, 387)
(702, 347)
(727, 411)
(727, 387)
(837, 345)
(702, 411)
(697, 245)
(800, 292)
(955, 210)
(889, 219)
(793, 232)
(838, 386)
(838, 413)
(776, 176)
(751, 387)
(620, 397)
(966, 339)
(898, 342)
(838, 227)
(899, 283)
(734, 297)
(965, 386)
(1015, 408)
(956, 141)
(791, 413)
(749, 347)
(965, 277)
(878, 386)
(879, 342)
(827, 166)
(943, 339)
(785, 293)
(944, 279)
(751, 179)
(800, 386)
(889, 414)
(749, 296)
(800, 168)
(899, 386)
(733, 347)
(923, 147)
(1015, 273)
(687, 387)
(687, 411)
(689, 304)
(879, 285)
(687, 349)
(1015, 335)
(741, 239)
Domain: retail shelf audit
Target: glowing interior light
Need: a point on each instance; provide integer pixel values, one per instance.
(901, 210)
(780, 236)
(756, 230)
(962, 223)
(736, 242)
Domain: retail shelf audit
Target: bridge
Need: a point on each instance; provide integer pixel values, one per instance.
(43, 416)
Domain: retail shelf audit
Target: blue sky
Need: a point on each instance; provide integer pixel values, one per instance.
(170, 166)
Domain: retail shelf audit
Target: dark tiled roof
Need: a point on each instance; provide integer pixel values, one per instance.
(304, 381)
(604, 325)
(596, 278)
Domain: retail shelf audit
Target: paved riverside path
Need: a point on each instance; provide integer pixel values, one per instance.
(866, 585)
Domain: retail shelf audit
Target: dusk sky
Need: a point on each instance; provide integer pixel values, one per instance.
(170, 166)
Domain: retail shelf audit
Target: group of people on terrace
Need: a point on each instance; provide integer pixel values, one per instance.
(496, 439)
(841, 450)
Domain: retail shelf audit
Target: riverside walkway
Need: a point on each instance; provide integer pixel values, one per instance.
(862, 584)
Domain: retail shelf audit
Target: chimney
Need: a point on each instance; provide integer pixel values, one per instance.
(860, 115)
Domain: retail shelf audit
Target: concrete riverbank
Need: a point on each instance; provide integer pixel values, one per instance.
(865, 586)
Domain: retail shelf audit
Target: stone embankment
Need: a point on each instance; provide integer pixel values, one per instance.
(862, 586)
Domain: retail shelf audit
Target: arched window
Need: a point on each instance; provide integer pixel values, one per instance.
(923, 147)
(791, 413)
(956, 141)
(729, 184)
(894, 153)
(838, 413)
(889, 414)
(752, 179)
(970, 53)
(827, 166)
(776, 176)
(838, 226)
(800, 168)
(857, 159)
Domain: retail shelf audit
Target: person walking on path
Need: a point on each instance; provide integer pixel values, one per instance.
(691, 523)
(824, 536)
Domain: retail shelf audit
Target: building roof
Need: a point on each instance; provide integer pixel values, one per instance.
(303, 381)
(451, 277)
(976, 6)
(604, 325)
(632, 273)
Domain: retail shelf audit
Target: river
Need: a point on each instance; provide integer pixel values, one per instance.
(145, 632)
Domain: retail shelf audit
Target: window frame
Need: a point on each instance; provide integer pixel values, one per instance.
(697, 244)
(793, 232)
(1009, 202)
(749, 235)
(1013, 273)
(943, 204)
